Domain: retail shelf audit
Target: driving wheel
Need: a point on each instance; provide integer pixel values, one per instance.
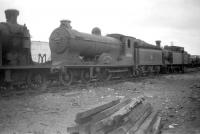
(85, 76)
(66, 78)
(104, 75)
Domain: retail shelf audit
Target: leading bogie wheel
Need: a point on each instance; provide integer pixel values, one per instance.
(66, 78)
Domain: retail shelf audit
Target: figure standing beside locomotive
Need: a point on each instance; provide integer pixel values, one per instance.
(81, 56)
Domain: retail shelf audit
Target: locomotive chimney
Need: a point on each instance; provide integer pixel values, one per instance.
(66, 24)
(96, 31)
(11, 15)
(158, 42)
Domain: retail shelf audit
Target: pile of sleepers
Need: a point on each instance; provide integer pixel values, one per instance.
(125, 116)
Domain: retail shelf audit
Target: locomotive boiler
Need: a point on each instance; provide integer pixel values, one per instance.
(71, 47)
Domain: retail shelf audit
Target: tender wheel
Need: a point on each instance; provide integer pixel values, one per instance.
(85, 76)
(157, 70)
(66, 78)
(36, 80)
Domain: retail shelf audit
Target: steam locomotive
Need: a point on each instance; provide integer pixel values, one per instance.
(81, 56)
(84, 56)
(16, 65)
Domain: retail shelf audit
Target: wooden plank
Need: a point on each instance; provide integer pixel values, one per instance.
(135, 118)
(110, 111)
(86, 115)
(147, 124)
(79, 129)
(116, 118)
(139, 122)
(156, 126)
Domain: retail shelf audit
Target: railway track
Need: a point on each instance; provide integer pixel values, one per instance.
(77, 85)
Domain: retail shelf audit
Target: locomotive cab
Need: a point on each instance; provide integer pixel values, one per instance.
(127, 50)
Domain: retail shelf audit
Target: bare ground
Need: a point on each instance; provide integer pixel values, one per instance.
(52, 111)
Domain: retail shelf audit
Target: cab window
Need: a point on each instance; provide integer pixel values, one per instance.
(128, 43)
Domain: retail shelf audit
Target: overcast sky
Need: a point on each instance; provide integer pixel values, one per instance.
(176, 21)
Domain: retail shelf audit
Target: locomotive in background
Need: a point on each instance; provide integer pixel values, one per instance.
(194, 61)
(15, 41)
(16, 65)
(80, 56)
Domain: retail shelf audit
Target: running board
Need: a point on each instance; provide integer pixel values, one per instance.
(118, 71)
